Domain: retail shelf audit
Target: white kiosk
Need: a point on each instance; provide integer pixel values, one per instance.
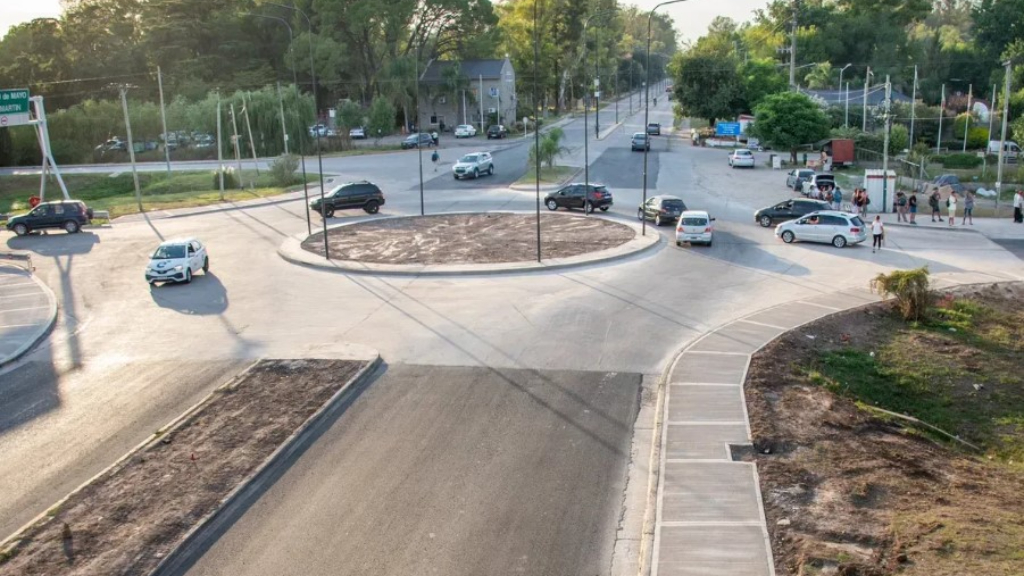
(874, 180)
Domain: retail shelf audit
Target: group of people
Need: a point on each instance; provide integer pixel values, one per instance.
(952, 203)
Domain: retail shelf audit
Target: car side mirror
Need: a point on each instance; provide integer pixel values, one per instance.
(713, 219)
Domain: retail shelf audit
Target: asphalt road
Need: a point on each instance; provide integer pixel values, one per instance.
(439, 470)
(124, 359)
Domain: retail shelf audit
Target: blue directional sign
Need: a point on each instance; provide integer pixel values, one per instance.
(727, 129)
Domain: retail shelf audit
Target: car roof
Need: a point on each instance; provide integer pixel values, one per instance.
(177, 241)
(639, 134)
(742, 150)
(666, 197)
(830, 213)
(703, 213)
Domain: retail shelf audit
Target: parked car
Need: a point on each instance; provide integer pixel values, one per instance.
(465, 131)
(496, 131)
(796, 178)
(70, 215)
(788, 210)
(352, 195)
(317, 129)
(695, 227)
(473, 165)
(415, 140)
(357, 133)
(741, 157)
(654, 129)
(818, 182)
(176, 261)
(662, 209)
(640, 141)
(572, 196)
(828, 226)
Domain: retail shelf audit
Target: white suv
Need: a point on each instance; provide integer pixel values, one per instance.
(473, 165)
(741, 157)
(829, 226)
(177, 261)
(465, 131)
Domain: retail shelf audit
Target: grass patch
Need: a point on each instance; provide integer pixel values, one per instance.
(364, 151)
(117, 194)
(958, 370)
(552, 175)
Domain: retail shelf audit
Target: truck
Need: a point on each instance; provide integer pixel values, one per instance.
(1011, 150)
(837, 152)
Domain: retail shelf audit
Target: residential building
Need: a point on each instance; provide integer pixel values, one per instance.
(442, 109)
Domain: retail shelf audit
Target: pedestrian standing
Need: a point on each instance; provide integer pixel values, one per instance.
(933, 201)
(969, 208)
(435, 157)
(837, 198)
(951, 206)
(1018, 206)
(855, 202)
(901, 207)
(877, 231)
(912, 205)
(864, 201)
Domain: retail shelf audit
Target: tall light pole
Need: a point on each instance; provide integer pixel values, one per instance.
(536, 125)
(586, 97)
(1002, 137)
(302, 148)
(647, 103)
(316, 108)
(864, 108)
(841, 70)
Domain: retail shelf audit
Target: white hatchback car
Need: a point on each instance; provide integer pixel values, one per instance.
(695, 227)
(828, 226)
(177, 261)
(465, 131)
(741, 157)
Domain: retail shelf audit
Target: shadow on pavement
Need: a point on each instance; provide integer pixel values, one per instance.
(206, 295)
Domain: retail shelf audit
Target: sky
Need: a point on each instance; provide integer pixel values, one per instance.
(691, 17)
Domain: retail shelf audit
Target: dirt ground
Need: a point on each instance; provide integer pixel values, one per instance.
(470, 238)
(847, 492)
(135, 514)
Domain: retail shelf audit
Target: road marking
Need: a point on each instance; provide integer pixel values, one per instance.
(715, 352)
(699, 461)
(20, 325)
(821, 305)
(9, 284)
(763, 324)
(696, 423)
(705, 384)
(33, 293)
(24, 309)
(710, 523)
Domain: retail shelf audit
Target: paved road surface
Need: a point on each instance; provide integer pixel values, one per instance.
(454, 471)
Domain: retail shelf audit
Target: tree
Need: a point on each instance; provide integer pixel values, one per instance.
(788, 121)
(899, 139)
(550, 148)
(350, 115)
(381, 121)
(707, 85)
(820, 77)
(761, 78)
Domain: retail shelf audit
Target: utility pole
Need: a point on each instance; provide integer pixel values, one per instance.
(284, 128)
(913, 106)
(481, 103)
(234, 141)
(885, 145)
(163, 118)
(1002, 137)
(967, 121)
(131, 144)
(942, 112)
(252, 142)
(792, 49)
(220, 150)
(864, 110)
(846, 121)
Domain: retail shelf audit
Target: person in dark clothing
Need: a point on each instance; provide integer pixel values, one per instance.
(933, 202)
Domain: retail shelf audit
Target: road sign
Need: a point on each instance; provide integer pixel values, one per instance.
(14, 107)
(727, 129)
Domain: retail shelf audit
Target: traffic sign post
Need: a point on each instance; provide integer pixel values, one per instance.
(14, 107)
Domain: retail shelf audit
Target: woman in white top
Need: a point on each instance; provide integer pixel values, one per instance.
(951, 203)
(877, 232)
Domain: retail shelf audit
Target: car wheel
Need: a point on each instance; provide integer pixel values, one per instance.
(640, 214)
(588, 207)
(552, 205)
(476, 173)
(678, 243)
(327, 212)
(371, 207)
(839, 241)
(710, 242)
(71, 227)
(188, 276)
(490, 170)
(657, 220)
(766, 221)
(788, 237)
(20, 229)
(604, 208)
(206, 265)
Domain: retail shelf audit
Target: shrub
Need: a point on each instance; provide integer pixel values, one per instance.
(282, 171)
(959, 160)
(230, 179)
(909, 288)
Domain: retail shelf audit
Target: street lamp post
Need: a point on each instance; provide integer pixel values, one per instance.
(586, 97)
(536, 126)
(1002, 137)
(647, 104)
(316, 107)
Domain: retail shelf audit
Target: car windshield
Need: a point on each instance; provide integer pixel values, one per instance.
(743, 153)
(695, 221)
(678, 204)
(412, 138)
(639, 136)
(169, 251)
(856, 221)
(468, 158)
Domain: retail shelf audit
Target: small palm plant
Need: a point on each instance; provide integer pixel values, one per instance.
(910, 290)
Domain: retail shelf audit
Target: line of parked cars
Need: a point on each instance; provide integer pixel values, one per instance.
(811, 219)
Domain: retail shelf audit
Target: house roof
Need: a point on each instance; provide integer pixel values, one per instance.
(876, 96)
(472, 69)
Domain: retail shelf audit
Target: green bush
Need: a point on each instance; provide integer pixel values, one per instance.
(977, 138)
(230, 179)
(909, 288)
(959, 160)
(282, 170)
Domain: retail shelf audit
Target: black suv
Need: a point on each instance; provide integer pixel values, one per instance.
(789, 210)
(416, 140)
(364, 195)
(496, 131)
(70, 215)
(571, 196)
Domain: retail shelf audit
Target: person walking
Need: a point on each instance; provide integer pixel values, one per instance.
(1018, 206)
(864, 201)
(837, 199)
(968, 208)
(912, 205)
(933, 201)
(435, 157)
(901, 207)
(877, 232)
(951, 206)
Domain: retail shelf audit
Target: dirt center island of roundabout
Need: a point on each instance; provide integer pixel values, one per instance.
(470, 243)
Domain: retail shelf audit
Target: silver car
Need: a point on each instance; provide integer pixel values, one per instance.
(827, 226)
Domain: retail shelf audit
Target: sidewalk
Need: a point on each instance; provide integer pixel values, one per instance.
(28, 310)
(992, 228)
(710, 517)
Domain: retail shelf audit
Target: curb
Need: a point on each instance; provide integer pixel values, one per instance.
(40, 334)
(207, 531)
(958, 228)
(546, 187)
(291, 251)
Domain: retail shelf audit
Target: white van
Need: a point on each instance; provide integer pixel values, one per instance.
(1010, 149)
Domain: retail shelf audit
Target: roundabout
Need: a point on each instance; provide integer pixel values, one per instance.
(469, 243)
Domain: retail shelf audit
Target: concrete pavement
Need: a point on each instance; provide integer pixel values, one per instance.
(28, 310)
(992, 228)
